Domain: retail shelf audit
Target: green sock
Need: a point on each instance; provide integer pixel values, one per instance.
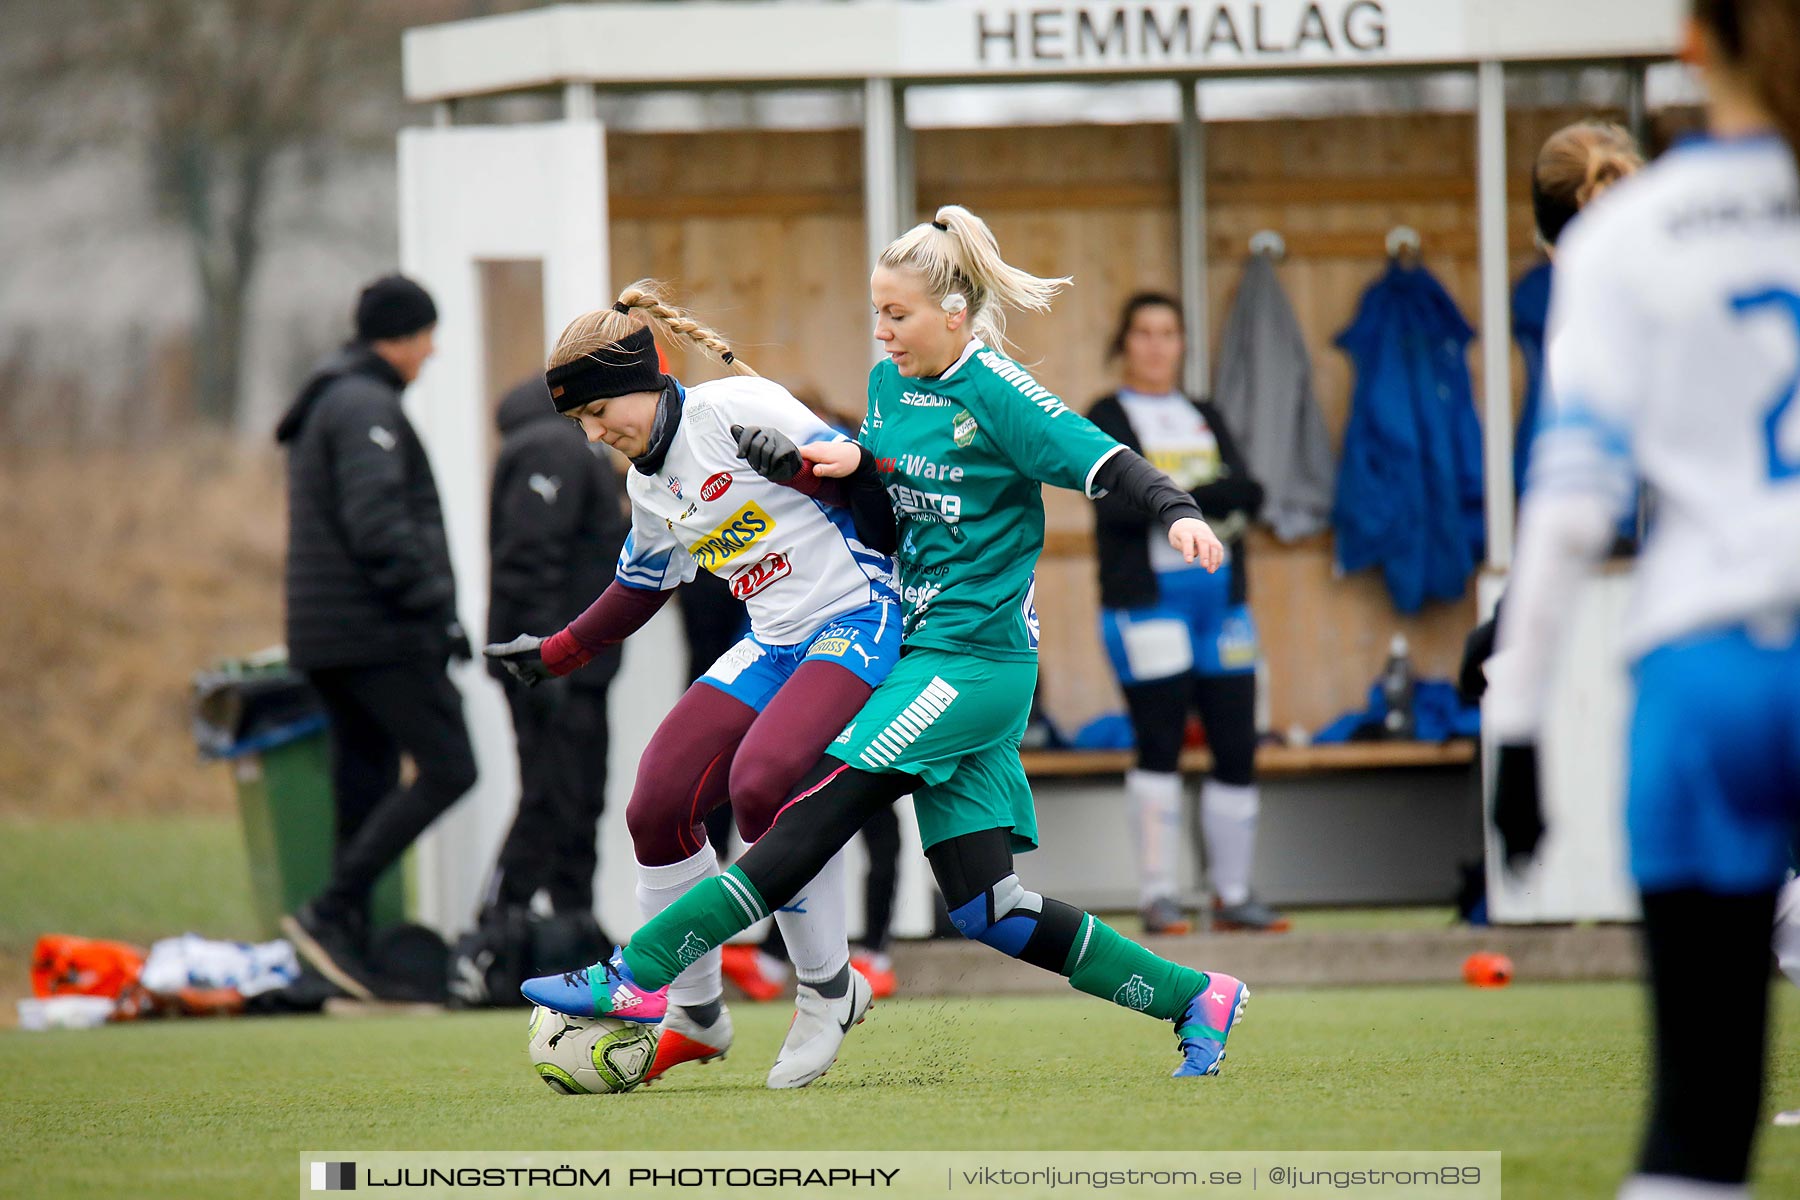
(675, 938)
(1107, 964)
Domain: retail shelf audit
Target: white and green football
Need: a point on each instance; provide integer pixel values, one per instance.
(580, 1056)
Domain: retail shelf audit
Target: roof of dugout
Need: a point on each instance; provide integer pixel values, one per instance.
(713, 44)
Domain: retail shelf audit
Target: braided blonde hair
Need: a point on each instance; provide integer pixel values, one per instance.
(956, 253)
(604, 328)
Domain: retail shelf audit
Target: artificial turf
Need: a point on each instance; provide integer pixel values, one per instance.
(1550, 1075)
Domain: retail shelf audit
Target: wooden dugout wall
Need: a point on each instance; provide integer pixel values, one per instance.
(761, 232)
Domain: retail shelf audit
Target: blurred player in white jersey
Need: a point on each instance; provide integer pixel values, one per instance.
(1674, 357)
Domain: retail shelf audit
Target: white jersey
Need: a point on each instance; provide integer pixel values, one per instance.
(1675, 355)
(795, 562)
(1674, 358)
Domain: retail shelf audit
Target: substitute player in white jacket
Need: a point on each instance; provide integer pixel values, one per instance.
(1674, 357)
(825, 630)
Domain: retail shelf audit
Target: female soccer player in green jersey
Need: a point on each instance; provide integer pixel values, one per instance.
(964, 439)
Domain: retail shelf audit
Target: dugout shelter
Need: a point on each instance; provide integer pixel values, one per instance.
(518, 225)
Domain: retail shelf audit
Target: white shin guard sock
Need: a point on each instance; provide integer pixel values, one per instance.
(1228, 820)
(1156, 827)
(659, 887)
(813, 925)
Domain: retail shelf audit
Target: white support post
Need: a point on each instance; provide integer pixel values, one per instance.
(579, 102)
(443, 114)
(882, 164)
(1190, 173)
(1496, 317)
(1637, 115)
(906, 183)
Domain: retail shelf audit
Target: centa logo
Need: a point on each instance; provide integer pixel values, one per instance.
(736, 535)
(716, 486)
(759, 575)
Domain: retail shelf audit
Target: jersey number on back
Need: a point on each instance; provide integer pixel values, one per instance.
(1781, 466)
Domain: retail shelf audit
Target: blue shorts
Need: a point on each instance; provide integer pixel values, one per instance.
(1193, 628)
(865, 642)
(1713, 797)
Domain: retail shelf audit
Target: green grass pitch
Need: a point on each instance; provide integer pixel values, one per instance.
(1551, 1075)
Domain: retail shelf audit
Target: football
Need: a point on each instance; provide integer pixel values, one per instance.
(580, 1056)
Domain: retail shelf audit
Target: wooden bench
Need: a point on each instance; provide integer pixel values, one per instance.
(1271, 761)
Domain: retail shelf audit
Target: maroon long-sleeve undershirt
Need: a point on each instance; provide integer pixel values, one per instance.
(619, 612)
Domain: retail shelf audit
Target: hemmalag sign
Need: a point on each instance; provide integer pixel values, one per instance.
(1037, 37)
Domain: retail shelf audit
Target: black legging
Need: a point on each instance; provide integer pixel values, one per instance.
(836, 800)
(1707, 1088)
(1227, 706)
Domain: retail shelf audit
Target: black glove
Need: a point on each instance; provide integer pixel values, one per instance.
(770, 452)
(1518, 812)
(522, 659)
(460, 650)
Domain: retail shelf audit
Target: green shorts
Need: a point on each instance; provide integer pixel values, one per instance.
(955, 721)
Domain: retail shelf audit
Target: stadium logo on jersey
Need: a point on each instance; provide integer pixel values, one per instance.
(715, 486)
(925, 400)
(692, 948)
(739, 532)
(675, 486)
(1134, 994)
(963, 429)
(759, 575)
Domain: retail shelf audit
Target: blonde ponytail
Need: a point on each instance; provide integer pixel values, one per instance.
(956, 254)
(596, 332)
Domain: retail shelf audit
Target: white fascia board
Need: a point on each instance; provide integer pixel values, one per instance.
(720, 44)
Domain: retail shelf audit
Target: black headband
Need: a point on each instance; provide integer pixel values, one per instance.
(1551, 212)
(627, 366)
(940, 227)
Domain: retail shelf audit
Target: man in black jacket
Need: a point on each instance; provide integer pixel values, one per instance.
(555, 527)
(371, 615)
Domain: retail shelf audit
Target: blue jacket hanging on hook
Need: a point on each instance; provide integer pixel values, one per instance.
(1409, 491)
(1530, 320)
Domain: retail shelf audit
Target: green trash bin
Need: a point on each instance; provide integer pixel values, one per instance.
(267, 723)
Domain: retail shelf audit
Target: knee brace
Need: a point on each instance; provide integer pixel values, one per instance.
(1004, 917)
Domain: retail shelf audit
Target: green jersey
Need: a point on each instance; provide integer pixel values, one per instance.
(964, 455)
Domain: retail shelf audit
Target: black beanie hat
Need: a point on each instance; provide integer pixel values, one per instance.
(393, 307)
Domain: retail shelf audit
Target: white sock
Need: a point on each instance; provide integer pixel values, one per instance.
(1228, 819)
(1671, 1187)
(659, 887)
(1156, 824)
(817, 943)
(1787, 930)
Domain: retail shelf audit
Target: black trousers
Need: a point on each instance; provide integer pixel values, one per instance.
(377, 714)
(562, 738)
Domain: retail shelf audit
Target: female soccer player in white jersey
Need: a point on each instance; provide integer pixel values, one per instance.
(965, 438)
(825, 630)
(1674, 357)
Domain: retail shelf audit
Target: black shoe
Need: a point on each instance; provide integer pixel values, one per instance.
(331, 947)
